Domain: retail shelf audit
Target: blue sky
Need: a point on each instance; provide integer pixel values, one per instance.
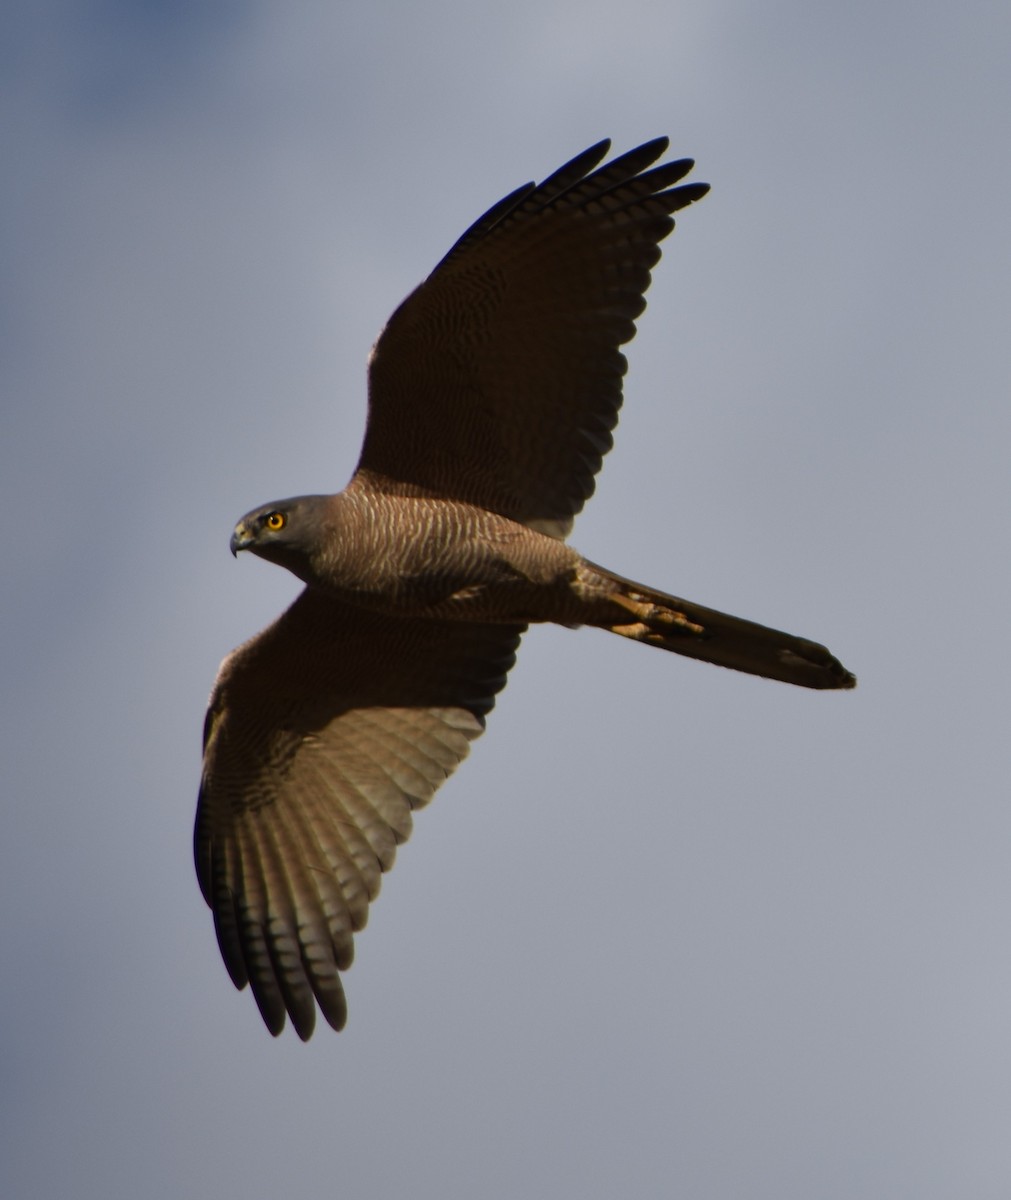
(669, 930)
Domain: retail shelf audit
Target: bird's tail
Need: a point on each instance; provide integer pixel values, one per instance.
(645, 615)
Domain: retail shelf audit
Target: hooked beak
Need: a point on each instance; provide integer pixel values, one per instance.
(241, 539)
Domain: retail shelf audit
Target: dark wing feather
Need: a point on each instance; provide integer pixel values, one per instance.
(498, 381)
(323, 733)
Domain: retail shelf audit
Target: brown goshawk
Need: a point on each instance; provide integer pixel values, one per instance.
(493, 391)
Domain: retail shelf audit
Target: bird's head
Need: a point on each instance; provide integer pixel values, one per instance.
(285, 532)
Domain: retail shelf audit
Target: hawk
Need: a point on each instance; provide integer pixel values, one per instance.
(493, 392)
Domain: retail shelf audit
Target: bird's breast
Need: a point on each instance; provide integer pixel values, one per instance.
(422, 556)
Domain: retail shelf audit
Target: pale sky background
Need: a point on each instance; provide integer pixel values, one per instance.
(670, 931)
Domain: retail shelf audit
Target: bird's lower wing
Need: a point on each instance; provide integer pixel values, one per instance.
(322, 734)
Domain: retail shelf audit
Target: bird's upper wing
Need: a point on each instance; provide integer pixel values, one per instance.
(498, 381)
(322, 734)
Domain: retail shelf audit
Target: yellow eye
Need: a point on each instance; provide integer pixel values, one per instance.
(275, 521)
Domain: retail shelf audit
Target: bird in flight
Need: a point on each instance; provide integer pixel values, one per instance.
(493, 391)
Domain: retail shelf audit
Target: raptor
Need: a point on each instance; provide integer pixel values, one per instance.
(493, 393)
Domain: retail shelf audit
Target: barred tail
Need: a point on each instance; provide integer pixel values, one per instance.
(696, 632)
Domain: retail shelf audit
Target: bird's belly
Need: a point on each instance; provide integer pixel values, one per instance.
(490, 570)
(486, 596)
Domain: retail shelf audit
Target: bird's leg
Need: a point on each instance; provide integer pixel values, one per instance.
(651, 622)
